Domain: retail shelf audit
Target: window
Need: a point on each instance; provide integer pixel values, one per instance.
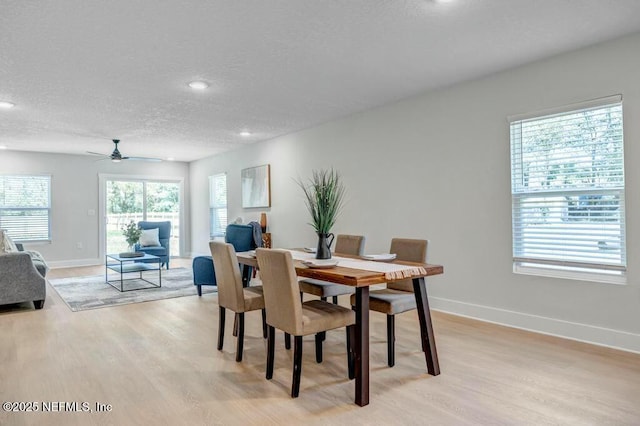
(218, 204)
(567, 186)
(25, 207)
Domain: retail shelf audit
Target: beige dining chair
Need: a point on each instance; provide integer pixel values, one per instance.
(345, 244)
(286, 312)
(231, 294)
(398, 296)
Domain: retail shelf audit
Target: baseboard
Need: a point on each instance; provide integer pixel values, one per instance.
(194, 254)
(56, 264)
(600, 336)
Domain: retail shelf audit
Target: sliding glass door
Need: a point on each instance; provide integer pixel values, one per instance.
(136, 200)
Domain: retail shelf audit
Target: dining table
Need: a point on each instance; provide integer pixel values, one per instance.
(361, 274)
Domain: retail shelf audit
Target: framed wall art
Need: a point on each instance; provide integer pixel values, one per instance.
(256, 187)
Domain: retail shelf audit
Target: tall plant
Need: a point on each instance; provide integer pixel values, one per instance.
(324, 196)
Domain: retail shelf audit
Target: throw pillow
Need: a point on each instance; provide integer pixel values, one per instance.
(149, 237)
(6, 244)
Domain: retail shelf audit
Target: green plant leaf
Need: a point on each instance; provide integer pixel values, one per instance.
(324, 198)
(132, 232)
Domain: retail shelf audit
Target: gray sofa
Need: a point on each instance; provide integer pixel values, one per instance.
(22, 278)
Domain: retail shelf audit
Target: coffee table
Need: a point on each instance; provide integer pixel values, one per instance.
(125, 265)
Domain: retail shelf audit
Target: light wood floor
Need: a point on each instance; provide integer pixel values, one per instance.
(156, 363)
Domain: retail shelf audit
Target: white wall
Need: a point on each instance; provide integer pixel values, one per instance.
(437, 166)
(74, 191)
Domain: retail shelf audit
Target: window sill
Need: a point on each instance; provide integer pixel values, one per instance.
(34, 242)
(599, 276)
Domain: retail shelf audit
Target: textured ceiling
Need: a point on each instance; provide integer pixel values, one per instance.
(82, 72)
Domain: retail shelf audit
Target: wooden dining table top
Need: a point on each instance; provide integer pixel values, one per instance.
(348, 276)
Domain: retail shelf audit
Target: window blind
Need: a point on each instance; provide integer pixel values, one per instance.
(25, 207)
(218, 204)
(567, 182)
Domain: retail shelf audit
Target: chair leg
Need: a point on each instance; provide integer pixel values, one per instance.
(351, 358)
(221, 328)
(287, 341)
(318, 348)
(391, 340)
(323, 334)
(240, 318)
(199, 290)
(297, 366)
(335, 300)
(271, 347)
(38, 304)
(264, 323)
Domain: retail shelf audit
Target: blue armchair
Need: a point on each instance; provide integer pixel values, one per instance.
(163, 251)
(240, 237)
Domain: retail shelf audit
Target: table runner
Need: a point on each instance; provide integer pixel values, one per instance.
(391, 271)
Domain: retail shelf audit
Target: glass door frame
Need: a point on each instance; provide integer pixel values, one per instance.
(102, 205)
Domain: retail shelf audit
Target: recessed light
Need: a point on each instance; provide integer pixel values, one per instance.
(245, 134)
(170, 158)
(3, 147)
(6, 105)
(199, 85)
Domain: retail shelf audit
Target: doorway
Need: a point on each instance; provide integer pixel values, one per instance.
(136, 199)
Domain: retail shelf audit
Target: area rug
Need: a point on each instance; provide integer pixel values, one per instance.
(81, 293)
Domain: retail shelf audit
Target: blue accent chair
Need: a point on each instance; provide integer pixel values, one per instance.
(203, 272)
(240, 237)
(163, 251)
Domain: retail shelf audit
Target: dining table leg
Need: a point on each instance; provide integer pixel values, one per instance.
(426, 326)
(361, 346)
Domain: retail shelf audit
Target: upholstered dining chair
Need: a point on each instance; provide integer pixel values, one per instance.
(163, 251)
(232, 295)
(398, 296)
(285, 311)
(345, 244)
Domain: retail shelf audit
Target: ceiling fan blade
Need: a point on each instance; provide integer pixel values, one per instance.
(116, 156)
(157, 160)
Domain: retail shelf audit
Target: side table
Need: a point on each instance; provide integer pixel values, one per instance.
(266, 239)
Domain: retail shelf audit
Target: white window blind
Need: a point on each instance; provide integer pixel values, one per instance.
(567, 183)
(25, 207)
(218, 204)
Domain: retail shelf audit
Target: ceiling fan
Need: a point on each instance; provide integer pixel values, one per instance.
(116, 157)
